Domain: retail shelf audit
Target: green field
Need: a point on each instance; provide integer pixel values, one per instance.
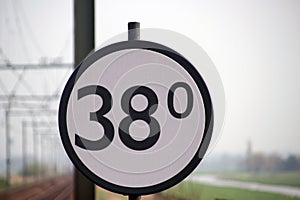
(196, 191)
(2, 184)
(277, 178)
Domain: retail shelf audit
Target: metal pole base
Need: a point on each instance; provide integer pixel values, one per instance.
(134, 197)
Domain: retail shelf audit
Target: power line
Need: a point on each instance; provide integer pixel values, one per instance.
(57, 89)
(31, 35)
(32, 112)
(66, 43)
(20, 31)
(28, 97)
(36, 66)
(19, 80)
(4, 57)
(3, 87)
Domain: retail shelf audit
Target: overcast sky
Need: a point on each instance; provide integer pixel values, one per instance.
(254, 44)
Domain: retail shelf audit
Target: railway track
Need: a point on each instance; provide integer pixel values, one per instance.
(58, 188)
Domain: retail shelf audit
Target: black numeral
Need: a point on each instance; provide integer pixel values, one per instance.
(97, 116)
(134, 115)
(190, 101)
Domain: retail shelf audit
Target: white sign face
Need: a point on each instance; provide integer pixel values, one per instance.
(135, 117)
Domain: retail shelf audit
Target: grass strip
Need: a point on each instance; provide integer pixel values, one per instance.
(196, 191)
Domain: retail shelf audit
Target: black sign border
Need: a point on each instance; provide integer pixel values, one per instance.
(145, 45)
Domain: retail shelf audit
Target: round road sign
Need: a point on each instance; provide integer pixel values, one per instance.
(135, 117)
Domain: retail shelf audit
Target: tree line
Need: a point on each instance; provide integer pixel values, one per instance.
(261, 162)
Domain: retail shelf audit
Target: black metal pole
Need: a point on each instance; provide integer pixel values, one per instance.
(133, 30)
(134, 34)
(134, 197)
(84, 22)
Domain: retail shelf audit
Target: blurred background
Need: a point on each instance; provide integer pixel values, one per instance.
(255, 46)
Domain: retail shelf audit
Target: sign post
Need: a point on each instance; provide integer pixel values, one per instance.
(136, 117)
(84, 43)
(134, 34)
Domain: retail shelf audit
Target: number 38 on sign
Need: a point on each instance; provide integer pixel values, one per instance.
(136, 117)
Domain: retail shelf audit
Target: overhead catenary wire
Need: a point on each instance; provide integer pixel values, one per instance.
(20, 32)
(18, 96)
(3, 87)
(19, 80)
(65, 46)
(30, 30)
(4, 58)
(56, 91)
(10, 66)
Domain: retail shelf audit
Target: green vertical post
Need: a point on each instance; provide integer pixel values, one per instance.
(84, 26)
